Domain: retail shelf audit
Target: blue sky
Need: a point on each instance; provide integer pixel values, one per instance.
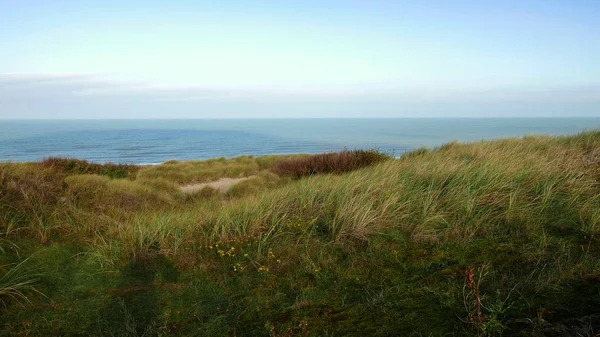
(264, 59)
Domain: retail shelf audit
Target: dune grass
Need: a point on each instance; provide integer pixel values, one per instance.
(487, 238)
(199, 171)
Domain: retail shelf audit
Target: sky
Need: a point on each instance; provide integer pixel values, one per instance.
(290, 59)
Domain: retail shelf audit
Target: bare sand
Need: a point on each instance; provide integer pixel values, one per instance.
(223, 185)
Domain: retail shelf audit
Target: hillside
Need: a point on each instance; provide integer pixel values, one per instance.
(488, 238)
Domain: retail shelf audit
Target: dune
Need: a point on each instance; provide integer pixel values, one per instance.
(223, 185)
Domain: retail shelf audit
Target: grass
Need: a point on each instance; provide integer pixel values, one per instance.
(199, 171)
(487, 238)
(15, 284)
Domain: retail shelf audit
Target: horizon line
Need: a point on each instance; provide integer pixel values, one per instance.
(296, 118)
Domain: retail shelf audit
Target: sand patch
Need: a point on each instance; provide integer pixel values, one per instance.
(223, 185)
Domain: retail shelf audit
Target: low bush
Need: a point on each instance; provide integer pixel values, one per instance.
(78, 166)
(333, 162)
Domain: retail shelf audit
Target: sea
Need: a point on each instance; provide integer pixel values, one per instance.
(155, 141)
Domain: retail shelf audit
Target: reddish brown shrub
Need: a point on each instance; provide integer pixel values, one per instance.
(333, 162)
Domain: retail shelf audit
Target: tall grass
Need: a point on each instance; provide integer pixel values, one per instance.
(30, 199)
(454, 193)
(197, 171)
(457, 193)
(16, 282)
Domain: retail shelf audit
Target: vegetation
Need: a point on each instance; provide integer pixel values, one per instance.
(481, 239)
(195, 171)
(78, 166)
(334, 162)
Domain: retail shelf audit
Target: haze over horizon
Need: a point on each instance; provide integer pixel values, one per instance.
(284, 59)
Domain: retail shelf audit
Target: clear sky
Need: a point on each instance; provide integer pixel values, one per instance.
(321, 58)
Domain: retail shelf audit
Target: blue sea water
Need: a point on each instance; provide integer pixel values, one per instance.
(155, 141)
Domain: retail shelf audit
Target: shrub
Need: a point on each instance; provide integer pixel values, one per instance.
(333, 162)
(78, 166)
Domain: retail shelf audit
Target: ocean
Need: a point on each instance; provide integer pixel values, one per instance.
(155, 141)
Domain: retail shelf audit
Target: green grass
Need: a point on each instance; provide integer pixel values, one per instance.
(16, 281)
(488, 238)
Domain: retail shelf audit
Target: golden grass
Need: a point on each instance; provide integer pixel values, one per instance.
(198, 171)
(453, 193)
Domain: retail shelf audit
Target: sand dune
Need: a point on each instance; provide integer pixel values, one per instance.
(223, 185)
